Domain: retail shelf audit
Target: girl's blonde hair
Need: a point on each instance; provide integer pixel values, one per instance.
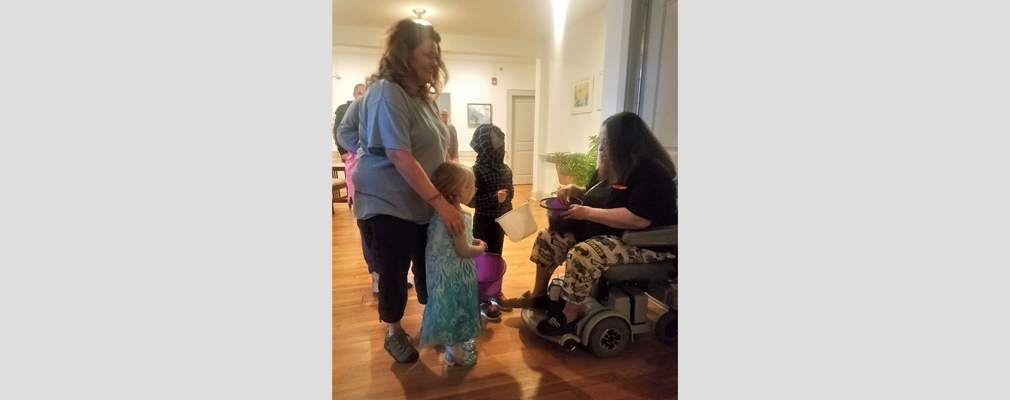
(449, 178)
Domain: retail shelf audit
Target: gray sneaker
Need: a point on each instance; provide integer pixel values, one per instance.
(398, 345)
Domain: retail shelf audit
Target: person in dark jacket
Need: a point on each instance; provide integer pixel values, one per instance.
(359, 90)
(492, 200)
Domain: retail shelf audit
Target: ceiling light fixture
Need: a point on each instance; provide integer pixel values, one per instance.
(419, 12)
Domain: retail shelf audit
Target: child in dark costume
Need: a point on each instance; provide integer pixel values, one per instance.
(492, 200)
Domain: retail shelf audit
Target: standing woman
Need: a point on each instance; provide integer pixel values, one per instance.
(402, 141)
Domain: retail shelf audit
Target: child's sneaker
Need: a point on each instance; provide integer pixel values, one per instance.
(469, 347)
(490, 311)
(500, 300)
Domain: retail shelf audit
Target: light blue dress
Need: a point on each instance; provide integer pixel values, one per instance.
(452, 314)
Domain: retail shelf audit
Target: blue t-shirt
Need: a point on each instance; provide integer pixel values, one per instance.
(388, 118)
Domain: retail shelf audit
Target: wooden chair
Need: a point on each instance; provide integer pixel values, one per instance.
(339, 183)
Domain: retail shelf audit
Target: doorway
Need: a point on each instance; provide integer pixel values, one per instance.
(520, 140)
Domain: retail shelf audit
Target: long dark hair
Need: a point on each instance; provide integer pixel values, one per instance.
(401, 40)
(630, 144)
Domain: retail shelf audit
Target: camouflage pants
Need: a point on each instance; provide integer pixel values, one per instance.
(586, 261)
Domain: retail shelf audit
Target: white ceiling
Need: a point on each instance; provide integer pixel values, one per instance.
(513, 19)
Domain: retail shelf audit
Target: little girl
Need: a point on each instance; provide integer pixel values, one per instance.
(451, 317)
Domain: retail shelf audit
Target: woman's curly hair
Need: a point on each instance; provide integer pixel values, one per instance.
(401, 40)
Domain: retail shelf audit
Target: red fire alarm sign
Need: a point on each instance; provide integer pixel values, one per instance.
(494, 80)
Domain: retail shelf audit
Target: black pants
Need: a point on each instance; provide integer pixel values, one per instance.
(392, 244)
(484, 228)
(364, 254)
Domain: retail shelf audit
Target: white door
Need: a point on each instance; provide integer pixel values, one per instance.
(521, 144)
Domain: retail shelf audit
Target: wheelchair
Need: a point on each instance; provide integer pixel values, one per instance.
(618, 304)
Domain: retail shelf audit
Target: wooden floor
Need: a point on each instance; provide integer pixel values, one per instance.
(513, 363)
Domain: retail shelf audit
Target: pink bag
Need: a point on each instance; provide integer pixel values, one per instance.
(352, 159)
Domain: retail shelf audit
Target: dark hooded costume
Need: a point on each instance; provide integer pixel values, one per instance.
(491, 175)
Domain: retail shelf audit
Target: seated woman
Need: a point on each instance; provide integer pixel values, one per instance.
(632, 188)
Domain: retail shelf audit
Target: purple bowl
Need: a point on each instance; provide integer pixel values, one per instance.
(555, 221)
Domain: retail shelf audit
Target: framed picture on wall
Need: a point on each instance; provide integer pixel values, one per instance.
(477, 114)
(582, 93)
(599, 91)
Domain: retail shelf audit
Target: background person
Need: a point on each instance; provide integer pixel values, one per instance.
(349, 157)
(453, 140)
(349, 128)
(359, 90)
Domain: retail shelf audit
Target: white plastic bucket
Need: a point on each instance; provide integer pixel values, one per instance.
(518, 223)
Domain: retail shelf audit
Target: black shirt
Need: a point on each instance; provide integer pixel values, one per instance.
(338, 116)
(650, 193)
(491, 173)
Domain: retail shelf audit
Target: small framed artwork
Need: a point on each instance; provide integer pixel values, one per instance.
(582, 93)
(599, 91)
(478, 114)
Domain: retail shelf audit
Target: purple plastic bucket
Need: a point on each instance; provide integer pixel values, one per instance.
(555, 221)
(490, 270)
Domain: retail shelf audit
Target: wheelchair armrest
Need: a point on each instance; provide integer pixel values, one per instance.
(657, 236)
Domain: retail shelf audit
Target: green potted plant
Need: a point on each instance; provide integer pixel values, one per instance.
(575, 168)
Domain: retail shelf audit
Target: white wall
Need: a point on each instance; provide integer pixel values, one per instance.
(357, 37)
(599, 43)
(580, 55)
(353, 69)
(471, 63)
(595, 44)
(615, 67)
(470, 82)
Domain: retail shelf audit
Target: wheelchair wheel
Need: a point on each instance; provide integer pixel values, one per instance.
(609, 337)
(666, 327)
